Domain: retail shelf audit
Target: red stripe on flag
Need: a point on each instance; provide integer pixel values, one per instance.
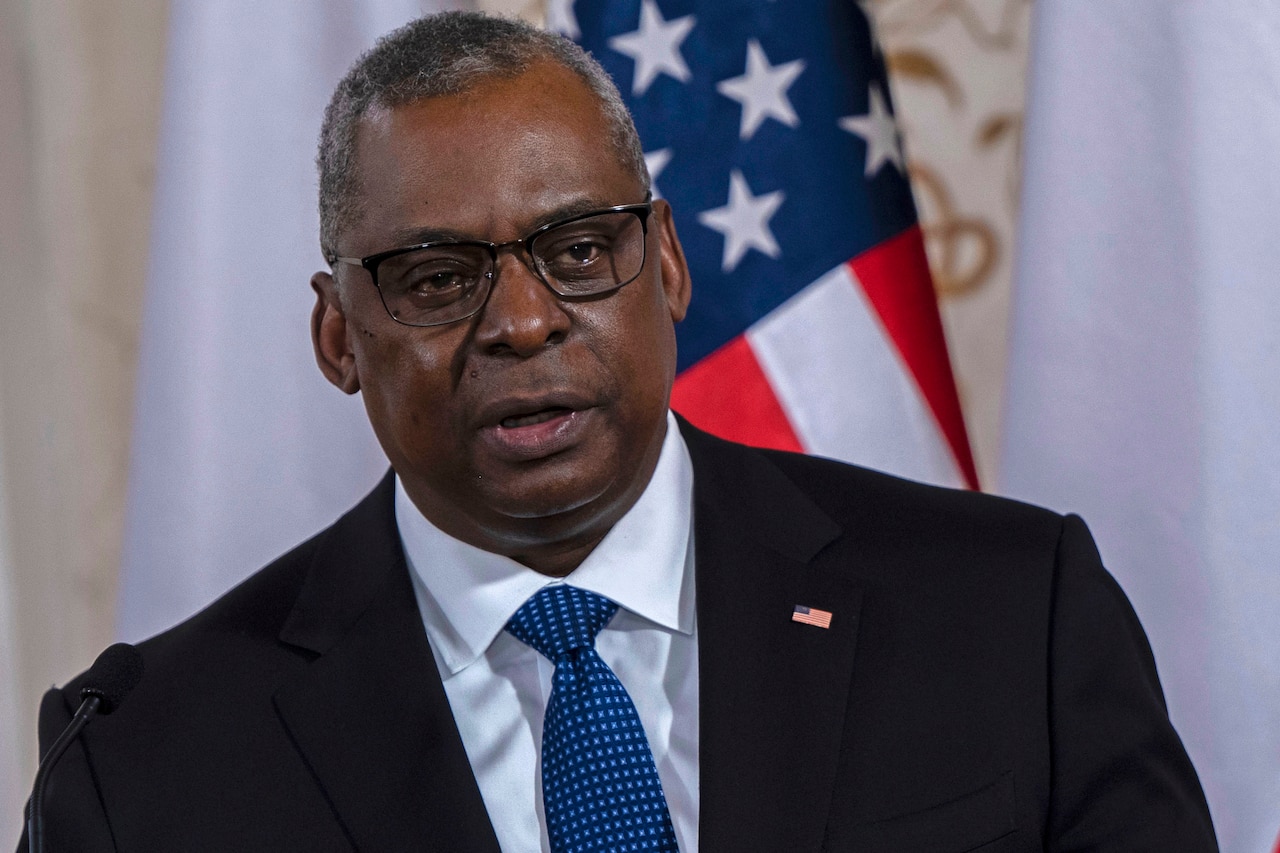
(727, 394)
(895, 277)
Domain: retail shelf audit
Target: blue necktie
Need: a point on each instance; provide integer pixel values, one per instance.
(600, 788)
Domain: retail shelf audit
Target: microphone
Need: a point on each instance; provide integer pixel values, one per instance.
(111, 678)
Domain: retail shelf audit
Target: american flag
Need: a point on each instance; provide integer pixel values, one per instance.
(811, 616)
(769, 128)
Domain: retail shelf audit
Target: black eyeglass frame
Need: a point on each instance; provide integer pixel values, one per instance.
(642, 211)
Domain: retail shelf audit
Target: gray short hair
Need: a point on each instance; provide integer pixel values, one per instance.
(446, 54)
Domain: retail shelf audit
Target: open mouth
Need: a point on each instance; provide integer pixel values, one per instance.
(539, 417)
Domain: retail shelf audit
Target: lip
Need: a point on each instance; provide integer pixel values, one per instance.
(564, 429)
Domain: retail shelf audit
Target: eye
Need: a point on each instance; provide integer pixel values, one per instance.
(582, 252)
(434, 278)
(570, 255)
(592, 254)
(432, 275)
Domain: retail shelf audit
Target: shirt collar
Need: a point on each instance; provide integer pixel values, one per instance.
(645, 564)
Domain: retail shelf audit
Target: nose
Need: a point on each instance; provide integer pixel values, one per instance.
(521, 315)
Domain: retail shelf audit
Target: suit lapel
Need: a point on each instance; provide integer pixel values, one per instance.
(773, 692)
(370, 715)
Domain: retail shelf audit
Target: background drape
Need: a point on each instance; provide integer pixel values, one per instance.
(1145, 361)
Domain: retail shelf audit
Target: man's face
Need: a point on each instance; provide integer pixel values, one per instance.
(529, 428)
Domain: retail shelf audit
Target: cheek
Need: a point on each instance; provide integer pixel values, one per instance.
(656, 336)
(403, 357)
(639, 345)
(407, 376)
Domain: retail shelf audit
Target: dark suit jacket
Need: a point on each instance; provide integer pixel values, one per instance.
(984, 685)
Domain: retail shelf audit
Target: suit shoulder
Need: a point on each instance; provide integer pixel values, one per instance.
(226, 639)
(261, 603)
(891, 486)
(897, 503)
(912, 531)
(258, 604)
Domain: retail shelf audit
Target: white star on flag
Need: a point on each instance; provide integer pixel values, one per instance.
(655, 46)
(561, 19)
(655, 162)
(744, 221)
(880, 132)
(762, 90)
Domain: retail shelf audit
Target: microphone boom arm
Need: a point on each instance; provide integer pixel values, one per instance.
(35, 811)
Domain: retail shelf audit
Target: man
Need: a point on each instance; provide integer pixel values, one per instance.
(804, 655)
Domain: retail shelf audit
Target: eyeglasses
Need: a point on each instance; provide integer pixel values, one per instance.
(590, 254)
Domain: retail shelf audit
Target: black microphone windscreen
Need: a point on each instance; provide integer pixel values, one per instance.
(113, 675)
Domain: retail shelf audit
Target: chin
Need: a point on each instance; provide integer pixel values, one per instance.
(555, 503)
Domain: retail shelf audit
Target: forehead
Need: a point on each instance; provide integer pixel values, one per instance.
(490, 162)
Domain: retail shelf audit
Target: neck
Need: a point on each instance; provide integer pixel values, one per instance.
(557, 561)
(551, 545)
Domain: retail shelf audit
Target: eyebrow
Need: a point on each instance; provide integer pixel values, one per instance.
(416, 236)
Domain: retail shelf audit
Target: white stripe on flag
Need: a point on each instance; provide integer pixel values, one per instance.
(843, 386)
(1145, 366)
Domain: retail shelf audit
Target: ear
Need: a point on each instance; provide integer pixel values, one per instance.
(675, 271)
(329, 335)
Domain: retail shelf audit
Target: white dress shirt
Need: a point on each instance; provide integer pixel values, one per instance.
(498, 687)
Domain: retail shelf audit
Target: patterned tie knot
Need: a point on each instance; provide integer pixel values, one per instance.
(560, 619)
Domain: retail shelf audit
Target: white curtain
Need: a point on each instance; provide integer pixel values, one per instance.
(241, 449)
(1144, 375)
(12, 767)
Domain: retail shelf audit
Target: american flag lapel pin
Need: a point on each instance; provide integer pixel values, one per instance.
(811, 616)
